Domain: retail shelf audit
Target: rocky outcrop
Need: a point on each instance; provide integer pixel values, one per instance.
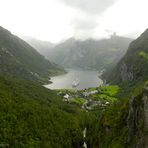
(145, 100)
(125, 74)
(137, 121)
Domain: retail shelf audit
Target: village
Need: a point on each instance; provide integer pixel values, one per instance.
(90, 98)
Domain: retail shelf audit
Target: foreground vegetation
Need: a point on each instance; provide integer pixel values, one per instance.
(33, 116)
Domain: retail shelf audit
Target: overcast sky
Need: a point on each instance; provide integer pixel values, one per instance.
(56, 20)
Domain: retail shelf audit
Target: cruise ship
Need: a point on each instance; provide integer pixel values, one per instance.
(75, 83)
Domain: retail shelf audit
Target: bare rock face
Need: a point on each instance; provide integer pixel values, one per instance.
(135, 118)
(145, 100)
(125, 74)
(137, 121)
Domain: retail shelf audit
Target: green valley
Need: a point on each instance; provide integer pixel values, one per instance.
(113, 115)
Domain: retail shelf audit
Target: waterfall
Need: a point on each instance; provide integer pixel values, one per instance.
(84, 136)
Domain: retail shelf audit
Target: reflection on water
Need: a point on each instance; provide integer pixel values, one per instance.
(86, 79)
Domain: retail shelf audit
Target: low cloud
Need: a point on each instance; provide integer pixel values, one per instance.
(88, 12)
(84, 24)
(84, 27)
(90, 6)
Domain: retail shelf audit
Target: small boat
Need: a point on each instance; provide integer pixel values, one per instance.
(75, 83)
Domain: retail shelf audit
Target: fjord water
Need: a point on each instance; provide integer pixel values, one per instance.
(87, 79)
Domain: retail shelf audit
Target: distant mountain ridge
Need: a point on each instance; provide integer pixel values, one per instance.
(19, 59)
(89, 54)
(42, 47)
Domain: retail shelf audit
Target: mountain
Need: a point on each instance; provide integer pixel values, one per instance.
(42, 47)
(90, 54)
(125, 123)
(30, 114)
(133, 67)
(19, 59)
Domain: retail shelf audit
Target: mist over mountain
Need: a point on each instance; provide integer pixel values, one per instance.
(90, 53)
(42, 47)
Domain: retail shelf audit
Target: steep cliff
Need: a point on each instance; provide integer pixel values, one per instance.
(132, 68)
(137, 121)
(123, 124)
(130, 74)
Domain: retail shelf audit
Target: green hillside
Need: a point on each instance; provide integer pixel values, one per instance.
(19, 59)
(33, 116)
